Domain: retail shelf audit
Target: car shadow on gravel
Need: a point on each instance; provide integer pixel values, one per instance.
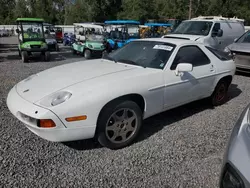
(156, 123)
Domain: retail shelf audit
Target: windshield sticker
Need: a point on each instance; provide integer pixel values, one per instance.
(162, 65)
(163, 47)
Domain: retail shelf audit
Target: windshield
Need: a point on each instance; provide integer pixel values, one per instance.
(194, 28)
(245, 38)
(122, 32)
(144, 53)
(32, 30)
(88, 31)
(97, 38)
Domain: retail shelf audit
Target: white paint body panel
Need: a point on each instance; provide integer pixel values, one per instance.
(94, 83)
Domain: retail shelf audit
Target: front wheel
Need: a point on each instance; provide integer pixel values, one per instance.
(219, 95)
(47, 56)
(25, 56)
(87, 54)
(119, 124)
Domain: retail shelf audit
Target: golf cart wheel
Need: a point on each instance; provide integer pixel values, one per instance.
(73, 51)
(87, 54)
(47, 56)
(19, 53)
(25, 56)
(119, 124)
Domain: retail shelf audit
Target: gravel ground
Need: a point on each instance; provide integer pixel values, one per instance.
(179, 148)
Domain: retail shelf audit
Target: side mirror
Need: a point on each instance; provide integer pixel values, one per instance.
(17, 31)
(220, 33)
(183, 67)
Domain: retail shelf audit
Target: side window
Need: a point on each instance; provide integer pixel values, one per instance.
(190, 54)
(216, 27)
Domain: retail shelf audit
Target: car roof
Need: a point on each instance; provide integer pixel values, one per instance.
(175, 41)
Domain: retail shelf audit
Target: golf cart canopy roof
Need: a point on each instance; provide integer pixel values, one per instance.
(157, 24)
(30, 20)
(119, 22)
(88, 25)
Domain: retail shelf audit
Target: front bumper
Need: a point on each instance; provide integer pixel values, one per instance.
(61, 133)
(34, 49)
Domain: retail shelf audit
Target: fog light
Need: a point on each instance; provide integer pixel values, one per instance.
(46, 123)
(231, 179)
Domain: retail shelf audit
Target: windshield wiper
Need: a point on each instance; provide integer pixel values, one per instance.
(130, 62)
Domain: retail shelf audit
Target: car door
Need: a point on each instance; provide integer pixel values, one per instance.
(192, 85)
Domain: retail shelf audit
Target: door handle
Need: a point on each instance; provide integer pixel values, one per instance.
(212, 68)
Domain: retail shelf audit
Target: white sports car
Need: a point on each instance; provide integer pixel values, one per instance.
(108, 98)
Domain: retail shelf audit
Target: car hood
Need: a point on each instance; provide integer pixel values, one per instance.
(52, 80)
(183, 36)
(240, 47)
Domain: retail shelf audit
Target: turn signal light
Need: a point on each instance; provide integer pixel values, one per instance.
(46, 123)
(76, 118)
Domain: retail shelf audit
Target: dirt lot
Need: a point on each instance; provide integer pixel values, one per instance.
(178, 148)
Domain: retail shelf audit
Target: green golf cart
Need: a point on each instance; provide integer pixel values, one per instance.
(89, 40)
(31, 38)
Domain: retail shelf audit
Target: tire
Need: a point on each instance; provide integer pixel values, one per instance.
(25, 56)
(87, 54)
(219, 95)
(47, 56)
(19, 53)
(106, 122)
(73, 51)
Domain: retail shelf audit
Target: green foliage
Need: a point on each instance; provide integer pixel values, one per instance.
(70, 11)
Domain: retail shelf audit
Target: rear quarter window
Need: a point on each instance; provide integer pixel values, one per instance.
(223, 56)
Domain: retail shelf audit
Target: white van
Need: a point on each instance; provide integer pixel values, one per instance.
(217, 32)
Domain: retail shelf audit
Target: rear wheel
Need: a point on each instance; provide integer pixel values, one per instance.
(47, 56)
(87, 54)
(119, 124)
(73, 50)
(219, 95)
(25, 56)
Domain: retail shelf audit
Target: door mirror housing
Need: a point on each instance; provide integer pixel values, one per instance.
(183, 67)
(218, 33)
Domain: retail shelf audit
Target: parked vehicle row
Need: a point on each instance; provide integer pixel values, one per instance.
(6, 32)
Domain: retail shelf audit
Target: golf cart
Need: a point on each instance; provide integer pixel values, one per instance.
(50, 37)
(121, 32)
(31, 38)
(89, 40)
